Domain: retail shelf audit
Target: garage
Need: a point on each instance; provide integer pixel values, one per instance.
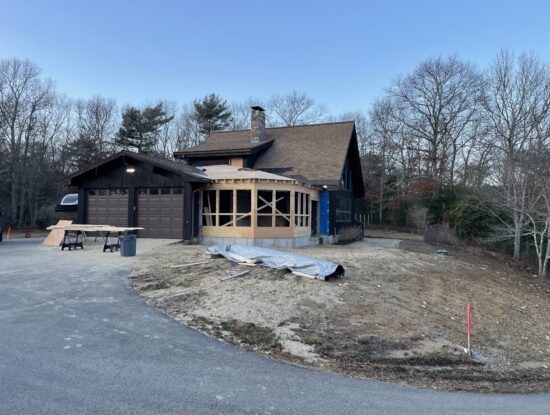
(138, 190)
(160, 212)
(107, 207)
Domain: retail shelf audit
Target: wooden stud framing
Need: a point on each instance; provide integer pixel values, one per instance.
(230, 230)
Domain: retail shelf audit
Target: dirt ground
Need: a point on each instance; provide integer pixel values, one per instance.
(398, 314)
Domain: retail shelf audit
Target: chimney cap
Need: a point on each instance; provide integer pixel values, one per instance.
(257, 108)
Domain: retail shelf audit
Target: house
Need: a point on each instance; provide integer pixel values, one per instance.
(283, 186)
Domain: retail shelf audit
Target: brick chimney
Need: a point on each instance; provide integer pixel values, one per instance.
(257, 124)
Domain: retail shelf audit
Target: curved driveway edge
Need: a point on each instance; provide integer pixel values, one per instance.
(76, 338)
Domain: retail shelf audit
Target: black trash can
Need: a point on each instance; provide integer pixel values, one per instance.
(128, 245)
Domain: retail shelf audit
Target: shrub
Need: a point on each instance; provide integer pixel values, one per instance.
(440, 234)
(471, 219)
(417, 218)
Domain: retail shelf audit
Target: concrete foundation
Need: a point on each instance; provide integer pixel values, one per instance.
(299, 242)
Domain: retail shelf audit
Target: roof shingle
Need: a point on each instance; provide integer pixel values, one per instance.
(315, 152)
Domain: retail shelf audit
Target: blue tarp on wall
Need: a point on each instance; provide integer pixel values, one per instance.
(324, 209)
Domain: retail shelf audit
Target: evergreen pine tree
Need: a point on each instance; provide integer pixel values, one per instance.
(140, 128)
(211, 114)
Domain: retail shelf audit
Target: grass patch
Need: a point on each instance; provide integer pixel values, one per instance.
(251, 334)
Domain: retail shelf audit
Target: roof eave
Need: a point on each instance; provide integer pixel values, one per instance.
(139, 157)
(249, 151)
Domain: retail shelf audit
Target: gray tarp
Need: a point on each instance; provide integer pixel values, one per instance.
(313, 267)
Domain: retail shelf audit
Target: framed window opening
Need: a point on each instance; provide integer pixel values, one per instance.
(227, 208)
(301, 209)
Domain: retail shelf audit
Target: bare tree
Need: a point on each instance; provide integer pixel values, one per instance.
(240, 112)
(295, 108)
(436, 104)
(23, 95)
(517, 104)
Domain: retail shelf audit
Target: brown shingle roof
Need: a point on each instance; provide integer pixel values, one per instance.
(315, 152)
(224, 141)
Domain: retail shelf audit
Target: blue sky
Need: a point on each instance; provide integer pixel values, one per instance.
(343, 53)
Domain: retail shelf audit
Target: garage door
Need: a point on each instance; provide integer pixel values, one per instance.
(160, 212)
(107, 207)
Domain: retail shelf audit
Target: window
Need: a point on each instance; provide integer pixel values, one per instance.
(345, 181)
(301, 209)
(227, 208)
(343, 209)
(165, 191)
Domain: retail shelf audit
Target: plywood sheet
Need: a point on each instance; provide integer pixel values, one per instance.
(55, 236)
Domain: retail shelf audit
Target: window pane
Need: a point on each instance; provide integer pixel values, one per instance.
(177, 191)
(165, 191)
(343, 209)
(153, 191)
(244, 201)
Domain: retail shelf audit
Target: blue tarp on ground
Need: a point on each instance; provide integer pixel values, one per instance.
(313, 267)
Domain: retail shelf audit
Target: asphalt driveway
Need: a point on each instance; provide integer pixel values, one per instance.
(76, 339)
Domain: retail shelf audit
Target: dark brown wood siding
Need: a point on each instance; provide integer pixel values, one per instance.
(113, 175)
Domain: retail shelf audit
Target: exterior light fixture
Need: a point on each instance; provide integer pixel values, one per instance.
(130, 169)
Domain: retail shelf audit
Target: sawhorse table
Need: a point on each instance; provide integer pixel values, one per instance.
(109, 245)
(79, 232)
(67, 240)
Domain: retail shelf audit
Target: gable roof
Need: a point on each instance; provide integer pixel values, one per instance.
(176, 167)
(314, 152)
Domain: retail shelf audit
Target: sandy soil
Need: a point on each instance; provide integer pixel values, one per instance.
(397, 315)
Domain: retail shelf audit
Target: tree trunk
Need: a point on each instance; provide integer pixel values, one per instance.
(518, 223)
(517, 243)
(547, 257)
